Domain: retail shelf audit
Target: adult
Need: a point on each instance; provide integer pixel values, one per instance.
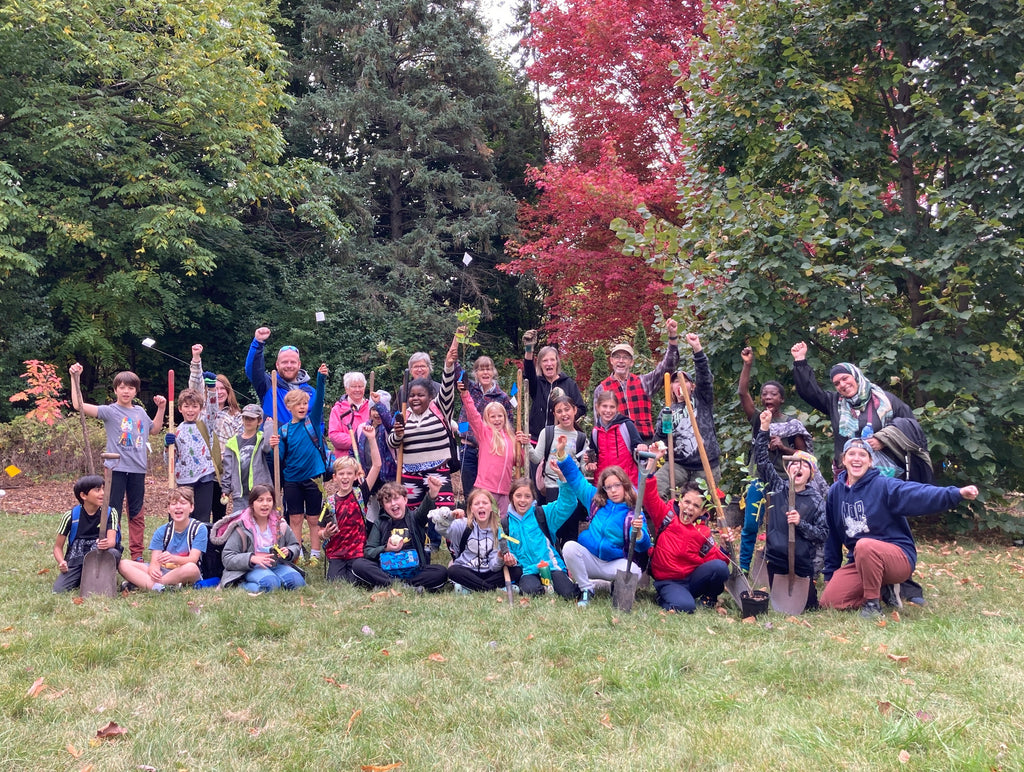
(786, 435)
(689, 466)
(546, 385)
(290, 375)
(867, 513)
(421, 367)
(483, 390)
(350, 413)
(634, 391)
(855, 404)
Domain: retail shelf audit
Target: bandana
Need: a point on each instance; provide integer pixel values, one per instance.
(868, 398)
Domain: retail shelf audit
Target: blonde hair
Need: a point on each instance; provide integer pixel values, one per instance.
(494, 521)
(351, 461)
(607, 396)
(295, 397)
(182, 493)
(499, 438)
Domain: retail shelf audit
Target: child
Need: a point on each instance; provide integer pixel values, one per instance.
(808, 516)
(497, 449)
(197, 454)
(530, 526)
(302, 460)
(261, 549)
(545, 466)
(396, 541)
(686, 564)
(245, 459)
(614, 437)
(176, 548)
(127, 427)
(601, 550)
(79, 533)
(478, 561)
(343, 524)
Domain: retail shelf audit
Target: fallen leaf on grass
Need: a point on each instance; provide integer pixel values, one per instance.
(385, 768)
(36, 687)
(898, 657)
(243, 655)
(606, 721)
(111, 731)
(385, 652)
(908, 681)
(895, 616)
(352, 719)
(923, 716)
(42, 571)
(333, 682)
(881, 623)
(8, 629)
(730, 661)
(840, 639)
(710, 631)
(749, 620)
(529, 637)
(798, 621)
(435, 657)
(721, 611)
(78, 600)
(904, 757)
(88, 768)
(75, 753)
(991, 613)
(884, 707)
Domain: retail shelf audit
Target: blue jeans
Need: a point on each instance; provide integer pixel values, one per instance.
(753, 514)
(270, 579)
(705, 583)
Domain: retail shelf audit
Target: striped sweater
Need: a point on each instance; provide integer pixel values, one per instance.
(426, 443)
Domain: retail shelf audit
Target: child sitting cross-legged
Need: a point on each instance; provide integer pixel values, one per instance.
(478, 558)
(175, 549)
(531, 527)
(261, 549)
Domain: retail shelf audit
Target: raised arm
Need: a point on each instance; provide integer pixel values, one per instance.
(76, 395)
(743, 388)
(806, 384)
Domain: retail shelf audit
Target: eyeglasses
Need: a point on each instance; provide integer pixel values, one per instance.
(612, 486)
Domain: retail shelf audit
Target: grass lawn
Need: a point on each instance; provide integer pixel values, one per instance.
(332, 677)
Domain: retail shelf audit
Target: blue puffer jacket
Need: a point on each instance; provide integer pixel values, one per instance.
(608, 534)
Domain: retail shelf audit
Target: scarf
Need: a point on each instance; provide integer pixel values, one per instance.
(868, 396)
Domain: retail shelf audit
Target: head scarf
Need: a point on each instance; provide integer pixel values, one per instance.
(868, 396)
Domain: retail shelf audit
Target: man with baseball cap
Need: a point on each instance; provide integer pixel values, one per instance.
(634, 391)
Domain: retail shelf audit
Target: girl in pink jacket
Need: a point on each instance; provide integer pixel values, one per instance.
(499, 453)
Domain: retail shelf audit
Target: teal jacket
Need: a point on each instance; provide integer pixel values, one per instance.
(534, 546)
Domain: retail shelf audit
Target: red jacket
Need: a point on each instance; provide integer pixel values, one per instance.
(676, 553)
(615, 445)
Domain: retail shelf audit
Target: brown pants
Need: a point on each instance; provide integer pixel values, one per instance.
(876, 563)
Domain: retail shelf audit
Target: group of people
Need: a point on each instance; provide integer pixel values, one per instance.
(548, 506)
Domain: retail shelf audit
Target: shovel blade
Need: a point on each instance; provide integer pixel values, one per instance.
(759, 569)
(736, 585)
(789, 595)
(624, 590)
(99, 574)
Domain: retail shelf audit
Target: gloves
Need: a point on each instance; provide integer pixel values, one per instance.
(168, 440)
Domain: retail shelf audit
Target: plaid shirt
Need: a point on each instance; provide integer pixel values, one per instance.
(634, 402)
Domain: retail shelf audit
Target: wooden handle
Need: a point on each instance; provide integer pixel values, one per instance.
(670, 439)
(170, 429)
(277, 449)
(703, 454)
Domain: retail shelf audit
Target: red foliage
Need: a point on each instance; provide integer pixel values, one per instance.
(608, 66)
(44, 386)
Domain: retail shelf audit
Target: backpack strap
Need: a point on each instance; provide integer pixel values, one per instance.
(190, 533)
(542, 520)
(465, 538)
(76, 512)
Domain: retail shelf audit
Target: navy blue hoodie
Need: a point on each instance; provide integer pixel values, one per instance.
(877, 507)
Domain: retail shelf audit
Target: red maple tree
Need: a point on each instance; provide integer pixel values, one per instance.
(608, 65)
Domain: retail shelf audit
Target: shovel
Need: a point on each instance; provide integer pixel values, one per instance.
(790, 597)
(76, 385)
(626, 582)
(99, 568)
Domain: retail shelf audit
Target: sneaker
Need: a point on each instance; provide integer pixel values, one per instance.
(585, 597)
(916, 601)
(460, 590)
(127, 586)
(871, 609)
(157, 587)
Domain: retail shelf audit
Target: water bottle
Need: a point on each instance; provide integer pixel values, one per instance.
(666, 422)
(545, 576)
(867, 432)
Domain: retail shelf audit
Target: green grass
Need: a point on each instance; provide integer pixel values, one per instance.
(204, 680)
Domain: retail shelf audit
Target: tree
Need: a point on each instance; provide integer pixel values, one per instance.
(416, 118)
(853, 183)
(133, 140)
(610, 69)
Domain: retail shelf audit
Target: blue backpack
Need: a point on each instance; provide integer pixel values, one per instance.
(76, 512)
